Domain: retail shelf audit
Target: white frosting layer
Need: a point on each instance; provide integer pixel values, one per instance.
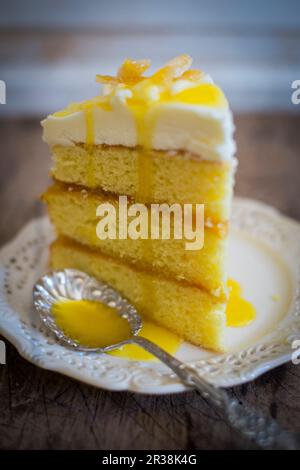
(205, 131)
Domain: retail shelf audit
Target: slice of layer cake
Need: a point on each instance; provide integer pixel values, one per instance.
(161, 139)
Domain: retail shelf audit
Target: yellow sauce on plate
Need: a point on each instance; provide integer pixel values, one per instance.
(239, 311)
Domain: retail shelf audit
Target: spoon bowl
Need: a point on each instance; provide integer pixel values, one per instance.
(71, 284)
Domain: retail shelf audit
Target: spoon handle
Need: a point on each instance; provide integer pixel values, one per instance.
(262, 430)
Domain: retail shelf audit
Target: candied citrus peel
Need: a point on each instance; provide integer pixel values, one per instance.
(192, 75)
(131, 72)
(173, 69)
(107, 79)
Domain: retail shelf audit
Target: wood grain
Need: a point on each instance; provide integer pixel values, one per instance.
(44, 410)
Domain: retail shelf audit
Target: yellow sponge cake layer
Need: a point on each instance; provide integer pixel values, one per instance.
(188, 311)
(173, 176)
(73, 212)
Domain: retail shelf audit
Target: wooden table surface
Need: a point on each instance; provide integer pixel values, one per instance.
(43, 410)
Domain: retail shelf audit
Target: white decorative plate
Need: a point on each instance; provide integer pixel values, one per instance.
(264, 258)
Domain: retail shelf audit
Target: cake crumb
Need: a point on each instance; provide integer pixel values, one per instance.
(275, 297)
(84, 193)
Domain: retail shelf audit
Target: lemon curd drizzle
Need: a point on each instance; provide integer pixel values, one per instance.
(90, 139)
(197, 89)
(239, 311)
(206, 94)
(144, 127)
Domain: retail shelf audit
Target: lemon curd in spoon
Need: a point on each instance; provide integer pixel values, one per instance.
(94, 324)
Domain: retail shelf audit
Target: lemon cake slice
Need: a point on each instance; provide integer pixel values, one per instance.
(160, 139)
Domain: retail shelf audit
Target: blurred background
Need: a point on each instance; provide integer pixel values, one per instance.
(51, 50)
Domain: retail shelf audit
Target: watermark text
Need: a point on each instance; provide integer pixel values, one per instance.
(295, 97)
(2, 92)
(2, 352)
(155, 222)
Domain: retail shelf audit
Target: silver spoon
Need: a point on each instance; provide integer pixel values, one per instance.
(75, 285)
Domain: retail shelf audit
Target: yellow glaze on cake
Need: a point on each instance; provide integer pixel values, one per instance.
(174, 109)
(206, 94)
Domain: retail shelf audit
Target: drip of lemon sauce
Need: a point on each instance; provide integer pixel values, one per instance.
(144, 126)
(239, 311)
(87, 107)
(90, 139)
(138, 105)
(100, 101)
(94, 324)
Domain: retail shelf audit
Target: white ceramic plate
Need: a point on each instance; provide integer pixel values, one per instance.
(264, 258)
